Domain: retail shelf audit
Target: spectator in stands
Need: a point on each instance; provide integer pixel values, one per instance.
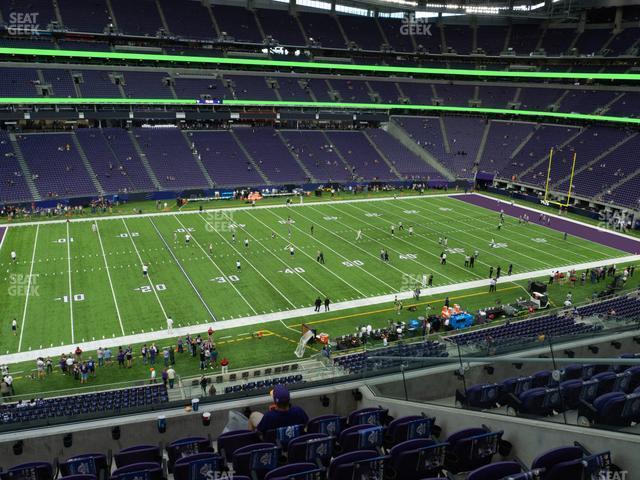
(282, 413)
(5, 391)
(171, 376)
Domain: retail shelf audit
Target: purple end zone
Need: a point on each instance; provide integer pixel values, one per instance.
(610, 239)
(2, 230)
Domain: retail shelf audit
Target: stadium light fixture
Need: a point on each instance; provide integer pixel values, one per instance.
(377, 69)
(328, 105)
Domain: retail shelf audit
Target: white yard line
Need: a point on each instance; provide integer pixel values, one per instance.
(457, 239)
(218, 268)
(151, 284)
(498, 234)
(70, 289)
(355, 245)
(259, 320)
(223, 209)
(375, 277)
(494, 235)
(310, 257)
(316, 289)
(26, 301)
(257, 270)
(554, 215)
(175, 259)
(106, 267)
(3, 236)
(412, 245)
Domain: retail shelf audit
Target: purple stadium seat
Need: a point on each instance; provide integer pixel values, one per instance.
(138, 454)
(150, 471)
(293, 470)
(361, 437)
(229, 442)
(88, 463)
(471, 448)
(205, 462)
(282, 436)
(79, 476)
(416, 459)
(187, 446)
(495, 471)
(564, 463)
(312, 447)
(32, 470)
(329, 424)
(350, 465)
(409, 428)
(256, 460)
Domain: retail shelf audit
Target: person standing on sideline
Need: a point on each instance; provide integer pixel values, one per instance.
(430, 280)
(224, 364)
(14, 327)
(170, 325)
(492, 285)
(327, 302)
(510, 271)
(318, 303)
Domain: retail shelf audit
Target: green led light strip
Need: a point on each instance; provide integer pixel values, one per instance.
(274, 103)
(153, 57)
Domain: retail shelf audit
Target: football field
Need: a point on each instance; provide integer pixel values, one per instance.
(81, 281)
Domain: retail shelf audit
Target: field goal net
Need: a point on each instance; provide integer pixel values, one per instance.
(550, 181)
(306, 335)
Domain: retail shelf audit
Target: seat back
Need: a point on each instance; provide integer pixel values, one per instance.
(229, 442)
(283, 435)
(471, 448)
(29, 471)
(86, 464)
(199, 466)
(367, 416)
(359, 464)
(138, 454)
(409, 428)
(362, 437)
(313, 447)
(256, 460)
(328, 424)
(295, 471)
(138, 471)
(495, 471)
(185, 447)
(416, 459)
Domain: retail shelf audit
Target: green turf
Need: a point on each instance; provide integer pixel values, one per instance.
(278, 343)
(72, 299)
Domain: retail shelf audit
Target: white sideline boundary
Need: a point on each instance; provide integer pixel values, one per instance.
(289, 314)
(130, 216)
(299, 312)
(553, 215)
